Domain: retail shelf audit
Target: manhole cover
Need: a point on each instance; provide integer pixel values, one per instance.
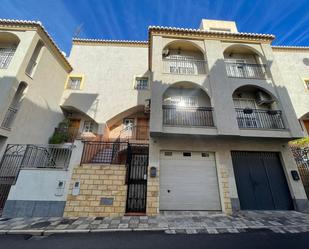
(40, 224)
(67, 221)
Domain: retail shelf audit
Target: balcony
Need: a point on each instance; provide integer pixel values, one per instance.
(259, 119)
(188, 116)
(184, 66)
(245, 70)
(9, 118)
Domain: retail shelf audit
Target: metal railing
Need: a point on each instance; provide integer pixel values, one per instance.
(136, 132)
(104, 152)
(184, 66)
(244, 70)
(17, 156)
(6, 55)
(301, 156)
(259, 119)
(187, 116)
(9, 118)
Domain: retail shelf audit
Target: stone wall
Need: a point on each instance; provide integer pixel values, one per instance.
(102, 191)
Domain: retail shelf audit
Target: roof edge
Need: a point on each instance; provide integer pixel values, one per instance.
(37, 24)
(212, 33)
(107, 41)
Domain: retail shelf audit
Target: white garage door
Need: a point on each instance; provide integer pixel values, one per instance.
(188, 181)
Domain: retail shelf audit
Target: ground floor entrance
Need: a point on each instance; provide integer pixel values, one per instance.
(260, 180)
(188, 181)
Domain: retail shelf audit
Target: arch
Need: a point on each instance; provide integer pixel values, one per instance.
(9, 38)
(19, 95)
(242, 48)
(126, 113)
(186, 44)
(189, 89)
(252, 87)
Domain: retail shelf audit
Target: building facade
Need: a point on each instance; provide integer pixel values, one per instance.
(188, 120)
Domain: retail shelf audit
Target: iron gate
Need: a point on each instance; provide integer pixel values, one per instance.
(137, 163)
(301, 156)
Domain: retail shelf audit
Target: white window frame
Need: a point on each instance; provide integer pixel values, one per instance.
(88, 126)
(76, 86)
(143, 86)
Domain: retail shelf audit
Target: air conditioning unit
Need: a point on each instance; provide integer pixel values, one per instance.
(165, 52)
(263, 98)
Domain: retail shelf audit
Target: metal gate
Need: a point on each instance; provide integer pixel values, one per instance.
(301, 156)
(260, 180)
(137, 163)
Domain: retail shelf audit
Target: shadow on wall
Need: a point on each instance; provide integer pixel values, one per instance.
(36, 115)
(86, 102)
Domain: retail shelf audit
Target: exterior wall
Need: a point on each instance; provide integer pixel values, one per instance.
(97, 182)
(294, 69)
(35, 192)
(109, 72)
(222, 148)
(220, 89)
(39, 112)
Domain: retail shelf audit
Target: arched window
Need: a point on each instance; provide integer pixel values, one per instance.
(34, 59)
(183, 57)
(14, 106)
(8, 45)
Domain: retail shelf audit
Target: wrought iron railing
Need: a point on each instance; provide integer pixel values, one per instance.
(184, 66)
(104, 152)
(136, 132)
(17, 156)
(259, 119)
(9, 118)
(6, 55)
(244, 70)
(187, 116)
(301, 155)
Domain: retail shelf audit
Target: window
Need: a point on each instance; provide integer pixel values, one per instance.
(184, 101)
(74, 82)
(88, 126)
(32, 65)
(141, 83)
(128, 123)
(6, 55)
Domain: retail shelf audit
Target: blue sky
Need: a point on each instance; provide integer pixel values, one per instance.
(129, 19)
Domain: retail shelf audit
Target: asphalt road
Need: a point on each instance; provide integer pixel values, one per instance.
(158, 240)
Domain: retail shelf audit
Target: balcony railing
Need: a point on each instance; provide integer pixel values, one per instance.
(104, 152)
(244, 70)
(259, 119)
(184, 66)
(188, 116)
(136, 132)
(9, 118)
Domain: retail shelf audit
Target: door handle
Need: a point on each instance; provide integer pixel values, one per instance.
(168, 191)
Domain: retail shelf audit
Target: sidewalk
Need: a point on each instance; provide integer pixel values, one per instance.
(170, 222)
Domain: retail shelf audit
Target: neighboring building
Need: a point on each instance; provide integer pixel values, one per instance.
(189, 120)
(32, 75)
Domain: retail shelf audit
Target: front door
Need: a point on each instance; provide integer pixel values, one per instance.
(73, 128)
(261, 183)
(306, 124)
(142, 129)
(137, 178)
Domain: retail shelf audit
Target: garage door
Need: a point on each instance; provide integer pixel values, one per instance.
(188, 181)
(260, 180)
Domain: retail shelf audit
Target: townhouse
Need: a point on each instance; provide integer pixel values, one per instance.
(192, 119)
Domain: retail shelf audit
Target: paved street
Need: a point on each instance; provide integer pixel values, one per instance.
(155, 240)
(170, 222)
